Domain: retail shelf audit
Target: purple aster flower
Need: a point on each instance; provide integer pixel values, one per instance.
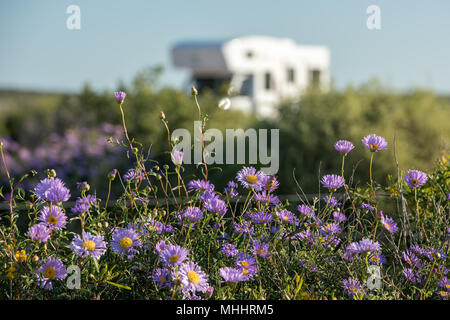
(343, 146)
(156, 226)
(83, 204)
(374, 143)
(306, 210)
(83, 186)
(229, 250)
(261, 217)
(213, 203)
(200, 185)
(261, 249)
(125, 242)
(376, 257)
(330, 228)
(366, 206)
(353, 287)
(133, 175)
(173, 255)
(54, 219)
(388, 223)
(350, 250)
(411, 275)
(269, 183)
(53, 268)
(53, 190)
(119, 96)
(177, 157)
(304, 235)
(191, 215)
(444, 283)
(162, 277)
(88, 245)
(286, 216)
(168, 229)
(250, 178)
(247, 264)
(332, 181)
(160, 246)
(367, 245)
(339, 217)
(266, 198)
(232, 275)
(244, 227)
(415, 178)
(230, 190)
(39, 232)
(193, 278)
(332, 202)
(411, 259)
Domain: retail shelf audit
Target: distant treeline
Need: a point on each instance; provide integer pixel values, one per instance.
(416, 121)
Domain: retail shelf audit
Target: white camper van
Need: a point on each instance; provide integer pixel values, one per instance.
(261, 71)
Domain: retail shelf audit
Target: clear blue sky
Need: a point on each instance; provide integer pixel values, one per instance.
(119, 38)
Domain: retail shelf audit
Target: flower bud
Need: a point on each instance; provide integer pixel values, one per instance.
(120, 96)
(112, 174)
(194, 91)
(29, 205)
(209, 292)
(51, 173)
(162, 115)
(83, 186)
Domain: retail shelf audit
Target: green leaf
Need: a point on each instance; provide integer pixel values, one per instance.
(121, 286)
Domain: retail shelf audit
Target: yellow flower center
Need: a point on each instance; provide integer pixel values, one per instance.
(260, 251)
(252, 179)
(245, 272)
(49, 272)
(161, 279)
(414, 182)
(89, 245)
(21, 256)
(193, 277)
(373, 146)
(174, 258)
(125, 243)
(12, 272)
(387, 226)
(245, 263)
(285, 218)
(52, 220)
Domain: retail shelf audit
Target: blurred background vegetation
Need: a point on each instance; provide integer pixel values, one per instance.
(68, 132)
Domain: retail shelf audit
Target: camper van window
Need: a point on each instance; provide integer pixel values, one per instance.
(247, 86)
(314, 79)
(290, 75)
(267, 81)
